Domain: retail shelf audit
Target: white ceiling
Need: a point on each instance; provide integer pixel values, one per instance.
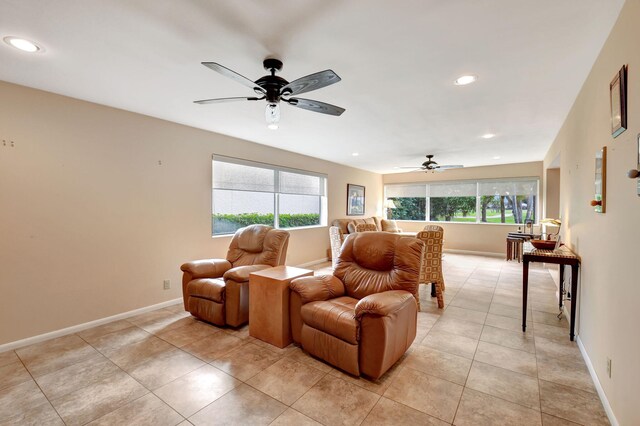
(397, 61)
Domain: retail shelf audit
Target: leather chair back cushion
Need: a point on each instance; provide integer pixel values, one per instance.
(258, 244)
(373, 262)
(251, 238)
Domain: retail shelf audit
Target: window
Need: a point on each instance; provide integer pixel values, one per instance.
(410, 202)
(508, 202)
(483, 201)
(246, 193)
(452, 202)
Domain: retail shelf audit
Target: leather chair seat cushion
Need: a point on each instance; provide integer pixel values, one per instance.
(335, 317)
(207, 288)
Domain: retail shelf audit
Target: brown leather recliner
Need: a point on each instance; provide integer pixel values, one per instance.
(362, 318)
(217, 290)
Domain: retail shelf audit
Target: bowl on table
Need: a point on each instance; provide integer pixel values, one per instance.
(544, 244)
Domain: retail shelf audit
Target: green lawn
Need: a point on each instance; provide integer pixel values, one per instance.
(493, 216)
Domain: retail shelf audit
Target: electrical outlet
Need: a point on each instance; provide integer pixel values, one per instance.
(167, 284)
(609, 367)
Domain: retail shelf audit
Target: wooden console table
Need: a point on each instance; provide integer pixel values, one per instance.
(561, 256)
(269, 304)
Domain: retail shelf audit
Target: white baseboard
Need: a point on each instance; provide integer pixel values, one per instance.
(313, 263)
(75, 328)
(596, 382)
(475, 253)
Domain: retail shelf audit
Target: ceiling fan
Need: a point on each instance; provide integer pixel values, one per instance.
(432, 166)
(274, 89)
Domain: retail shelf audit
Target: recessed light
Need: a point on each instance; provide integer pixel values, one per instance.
(272, 126)
(497, 157)
(23, 44)
(465, 79)
(488, 136)
(355, 154)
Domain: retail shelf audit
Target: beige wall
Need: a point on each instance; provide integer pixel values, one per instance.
(91, 224)
(607, 243)
(471, 236)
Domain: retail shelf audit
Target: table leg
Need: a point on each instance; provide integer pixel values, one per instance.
(525, 292)
(561, 287)
(574, 299)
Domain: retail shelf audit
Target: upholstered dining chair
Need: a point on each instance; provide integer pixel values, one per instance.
(217, 290)
(335, 239)
(363, 318)
(431, 267)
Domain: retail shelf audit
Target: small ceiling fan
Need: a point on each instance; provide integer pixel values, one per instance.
(432, 166)
(274, 89)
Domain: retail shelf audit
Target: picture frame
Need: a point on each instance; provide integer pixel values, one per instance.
(638, 168)
(618, 99)
(355, 200)
(599, 202)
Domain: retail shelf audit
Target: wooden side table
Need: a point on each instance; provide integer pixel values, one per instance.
(562, 256)
(269, 304)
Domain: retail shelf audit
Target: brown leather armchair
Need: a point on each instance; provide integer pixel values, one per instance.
(217, 290)
(362, 318)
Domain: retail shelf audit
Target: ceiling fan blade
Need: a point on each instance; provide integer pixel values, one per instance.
(410, 167)
(218, 100)
(315, 106)
(310, 82)
(451, 166)
(233, 75)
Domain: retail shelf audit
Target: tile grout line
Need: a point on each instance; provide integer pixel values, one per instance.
(149, 391)
(464, 386)
(39, 388)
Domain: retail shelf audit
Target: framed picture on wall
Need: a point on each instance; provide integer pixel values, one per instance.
(355, 200)
(618, 97)
(599, 203)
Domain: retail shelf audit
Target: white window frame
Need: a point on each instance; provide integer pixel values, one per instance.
(322, 199)
(477, 183)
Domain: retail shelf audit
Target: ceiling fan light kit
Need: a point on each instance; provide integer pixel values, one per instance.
(274, 89)
(431, 166)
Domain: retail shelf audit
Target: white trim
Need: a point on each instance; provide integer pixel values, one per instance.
(75, 328)
(596, 382)
(313, 262)
(475, 253)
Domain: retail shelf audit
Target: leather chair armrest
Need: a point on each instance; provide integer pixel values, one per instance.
(383, 304)
(206, 268)
(241, 273)
(318, 288)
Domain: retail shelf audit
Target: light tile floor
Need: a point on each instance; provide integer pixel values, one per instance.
(469, 365)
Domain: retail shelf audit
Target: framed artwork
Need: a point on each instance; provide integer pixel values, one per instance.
(599, 202)
(618, 96)
(638, 169)
(355, 200)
